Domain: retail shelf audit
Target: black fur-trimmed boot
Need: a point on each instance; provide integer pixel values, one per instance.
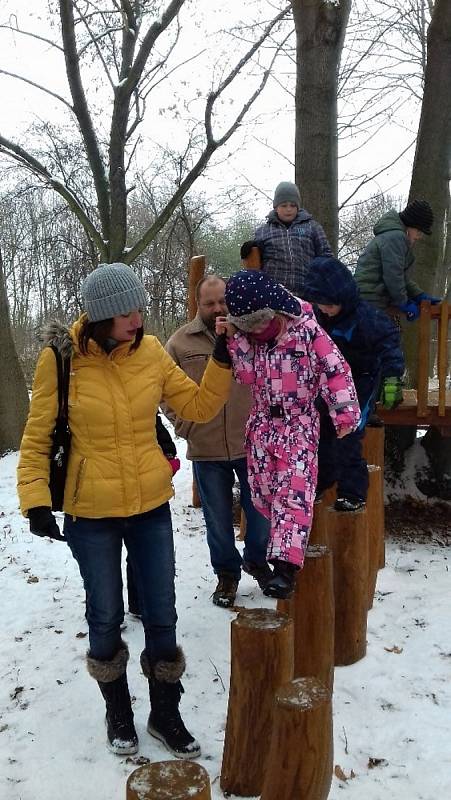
(112, 679)
(165, 691)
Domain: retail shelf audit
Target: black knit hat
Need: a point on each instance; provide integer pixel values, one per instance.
(418, 214)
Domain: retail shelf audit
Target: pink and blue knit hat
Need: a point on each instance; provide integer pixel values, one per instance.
(253, 297)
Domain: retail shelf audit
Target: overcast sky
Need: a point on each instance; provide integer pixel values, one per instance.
(272, 119)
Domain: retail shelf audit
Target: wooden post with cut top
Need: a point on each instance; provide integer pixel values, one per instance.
(312, 608)
(253, 261)
(348, 539)
(376, 527)
(167, 780)
(300, 760)
(261, 662)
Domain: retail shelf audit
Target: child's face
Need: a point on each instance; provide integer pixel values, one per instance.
(330, 309)
(287, 212)
(414, 235)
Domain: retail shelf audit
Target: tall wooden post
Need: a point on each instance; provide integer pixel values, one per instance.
(262, 661)
(376, 527)
(312, 609)
(300, 759)
(348, 538)
(195, 274)
(169, 780)
(318, 533)
(253, 261)
(373, 446)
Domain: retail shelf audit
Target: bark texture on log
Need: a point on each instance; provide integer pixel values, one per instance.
(312, 609)
(318, 533)
(262, 661)
(376, 528)
(169, 780)
(373, 446)
(300, 760)
(348, 538)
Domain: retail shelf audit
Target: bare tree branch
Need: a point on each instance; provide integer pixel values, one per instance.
(37, 86)
(27, 160)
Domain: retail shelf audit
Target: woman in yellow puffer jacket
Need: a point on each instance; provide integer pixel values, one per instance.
(117, 488)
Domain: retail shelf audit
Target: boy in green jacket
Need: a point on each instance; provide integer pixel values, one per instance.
(384, 269)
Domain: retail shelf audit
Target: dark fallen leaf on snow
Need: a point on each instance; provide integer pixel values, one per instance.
(17, 691)
(32, 579)
(394, 649)
(138, 760)
(341, 775)
(377, 762)
(57, 631)
(80, 635)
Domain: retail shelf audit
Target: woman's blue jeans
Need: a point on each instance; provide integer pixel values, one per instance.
(96, 544)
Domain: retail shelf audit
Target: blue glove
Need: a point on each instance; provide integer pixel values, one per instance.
(424, 296)
(410, 309)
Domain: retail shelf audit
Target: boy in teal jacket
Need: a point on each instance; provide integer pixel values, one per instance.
(383, 272)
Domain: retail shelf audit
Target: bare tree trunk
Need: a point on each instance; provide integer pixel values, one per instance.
(13, 391)
(431, 168)
(320, 32)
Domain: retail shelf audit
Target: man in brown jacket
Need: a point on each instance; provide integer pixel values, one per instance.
(218, 455)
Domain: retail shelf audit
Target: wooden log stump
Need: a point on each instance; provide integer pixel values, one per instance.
(262, 661)
(348, 538)
(373, 446)
(376, 532)
(300, 759)
(318, 533)
(169, 780)
(312, 609)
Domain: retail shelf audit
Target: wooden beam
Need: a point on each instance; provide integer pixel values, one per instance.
(442, 358)
(424, 337)
(196, 273)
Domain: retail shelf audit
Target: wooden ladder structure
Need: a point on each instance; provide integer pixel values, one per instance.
(424, 406)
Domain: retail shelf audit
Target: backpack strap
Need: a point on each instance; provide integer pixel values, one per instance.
(63, 371)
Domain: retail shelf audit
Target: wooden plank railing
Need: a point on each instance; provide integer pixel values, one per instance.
(442, 313)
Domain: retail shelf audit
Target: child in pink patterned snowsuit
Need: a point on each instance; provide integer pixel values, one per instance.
(288, 360)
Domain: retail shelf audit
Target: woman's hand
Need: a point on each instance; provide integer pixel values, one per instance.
(222, 326)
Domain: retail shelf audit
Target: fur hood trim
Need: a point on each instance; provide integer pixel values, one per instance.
(166, 671)
(108, 671)
(56, 334)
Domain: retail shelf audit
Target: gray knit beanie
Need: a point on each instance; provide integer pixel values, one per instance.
(286, 192)
(111, 290)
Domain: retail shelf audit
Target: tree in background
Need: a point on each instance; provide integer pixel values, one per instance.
(320, 32)
(132, 49)
(14, 398)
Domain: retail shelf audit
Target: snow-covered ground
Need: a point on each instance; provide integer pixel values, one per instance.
(392, 710)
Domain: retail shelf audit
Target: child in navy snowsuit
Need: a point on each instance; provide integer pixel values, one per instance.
(370, 343)
(280, 351)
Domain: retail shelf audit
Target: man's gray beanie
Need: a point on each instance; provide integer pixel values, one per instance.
(111, 290)
(286, 192)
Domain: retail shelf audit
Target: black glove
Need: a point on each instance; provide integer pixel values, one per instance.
(246, 248)
(220, 350)
(43, 523)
